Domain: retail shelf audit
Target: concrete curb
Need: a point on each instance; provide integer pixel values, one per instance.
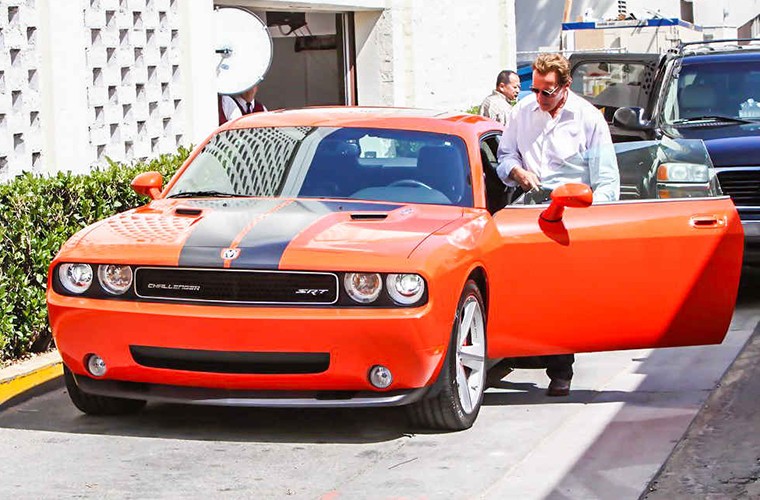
(21, 377)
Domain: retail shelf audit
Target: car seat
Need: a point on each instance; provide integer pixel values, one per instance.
(333, 170)
(442, 168)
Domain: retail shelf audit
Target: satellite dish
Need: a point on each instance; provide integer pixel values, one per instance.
(244, 49)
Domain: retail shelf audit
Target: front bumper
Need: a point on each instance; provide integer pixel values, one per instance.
(269, 399)
(410, 342)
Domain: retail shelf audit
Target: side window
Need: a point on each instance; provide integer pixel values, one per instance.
(489, 146)
(612, 85)
(496, 195)
(666, 169)
(649, 170)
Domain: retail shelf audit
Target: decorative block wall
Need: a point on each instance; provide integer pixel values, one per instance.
(133, 83)
(20, 136)
(86, 80)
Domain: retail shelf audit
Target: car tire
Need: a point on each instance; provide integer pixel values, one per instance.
(99, 405)
(454, 401)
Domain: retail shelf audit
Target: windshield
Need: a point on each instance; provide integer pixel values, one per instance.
(330, 162)
(728, 91)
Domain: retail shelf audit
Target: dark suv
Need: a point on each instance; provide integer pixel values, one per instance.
(704, 90)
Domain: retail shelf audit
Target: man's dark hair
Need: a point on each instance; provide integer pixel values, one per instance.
(504, 77)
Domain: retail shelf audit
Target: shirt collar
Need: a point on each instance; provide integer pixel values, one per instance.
(572, 104)
(497, 93)
(242, 101)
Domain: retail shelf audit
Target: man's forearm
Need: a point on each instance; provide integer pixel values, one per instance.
(504, 169)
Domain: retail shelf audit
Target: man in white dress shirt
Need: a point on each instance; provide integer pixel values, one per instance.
(546, 135)
(550, 130)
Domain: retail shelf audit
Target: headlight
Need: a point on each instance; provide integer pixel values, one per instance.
(363, 287)
(405, 289)
(115, 279)
(683, 172)
(76, 278)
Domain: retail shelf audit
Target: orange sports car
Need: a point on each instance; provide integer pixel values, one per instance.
(364, 257)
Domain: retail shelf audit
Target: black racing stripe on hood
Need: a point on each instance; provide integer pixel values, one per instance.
(218, 228)
(263, 246)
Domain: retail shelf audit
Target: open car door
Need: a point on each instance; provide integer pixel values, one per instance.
(619, 275)
(612, 81)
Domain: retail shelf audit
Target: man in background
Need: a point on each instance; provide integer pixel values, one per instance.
(235, 106)
(498, 105)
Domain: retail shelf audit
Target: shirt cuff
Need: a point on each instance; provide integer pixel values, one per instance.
(504, 169)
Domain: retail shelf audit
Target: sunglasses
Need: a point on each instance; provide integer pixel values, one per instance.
(545, 93)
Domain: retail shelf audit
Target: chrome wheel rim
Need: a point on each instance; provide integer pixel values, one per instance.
(471, 355)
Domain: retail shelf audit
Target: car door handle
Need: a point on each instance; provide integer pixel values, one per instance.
(707, 221)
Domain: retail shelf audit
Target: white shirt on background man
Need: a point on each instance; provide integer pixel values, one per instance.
(233, 110)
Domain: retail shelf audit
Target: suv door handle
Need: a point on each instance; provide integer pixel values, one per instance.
(707, 221)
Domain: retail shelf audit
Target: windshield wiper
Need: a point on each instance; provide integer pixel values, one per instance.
(206, 194)
(713, 118)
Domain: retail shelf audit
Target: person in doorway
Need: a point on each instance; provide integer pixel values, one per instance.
(545, 130)
(498, 105)
(235, 106)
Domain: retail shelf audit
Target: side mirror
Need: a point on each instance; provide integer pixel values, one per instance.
(148, 184)
(567, 195)
(630, 118)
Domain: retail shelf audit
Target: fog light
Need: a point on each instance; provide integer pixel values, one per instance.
(96, 365)
(380, 376)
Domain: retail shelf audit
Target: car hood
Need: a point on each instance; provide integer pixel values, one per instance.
(261, 234)
(730, 145)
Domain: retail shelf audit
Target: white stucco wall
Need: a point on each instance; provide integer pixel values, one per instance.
(539, 22)
(734, 14)
(86, 80)
(441, 54)
(20, 75)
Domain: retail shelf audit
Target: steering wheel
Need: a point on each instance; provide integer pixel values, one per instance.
(409, 183)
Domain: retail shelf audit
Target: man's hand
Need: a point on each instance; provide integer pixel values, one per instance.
(526, 179)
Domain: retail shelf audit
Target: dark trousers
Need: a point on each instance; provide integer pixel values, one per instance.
(557, 365)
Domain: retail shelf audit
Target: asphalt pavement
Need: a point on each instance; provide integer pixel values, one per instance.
(719, 456)
(668, 423)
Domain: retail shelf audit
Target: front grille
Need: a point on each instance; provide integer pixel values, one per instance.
(743, 186)
(195, 360)
(236, 286)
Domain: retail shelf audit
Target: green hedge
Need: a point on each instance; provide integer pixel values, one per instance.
(37, 215)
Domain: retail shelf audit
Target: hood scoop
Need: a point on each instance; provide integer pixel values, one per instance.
(189, 211)
(369, 216)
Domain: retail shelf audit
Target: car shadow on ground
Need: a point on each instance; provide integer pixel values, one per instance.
(48, 408)
(51, 410)
(526, 393)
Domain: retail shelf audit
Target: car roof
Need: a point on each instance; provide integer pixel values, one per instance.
(447, 122)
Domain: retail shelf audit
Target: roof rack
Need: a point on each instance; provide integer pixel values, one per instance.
(703, 47)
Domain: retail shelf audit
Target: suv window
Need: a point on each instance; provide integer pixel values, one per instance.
(611, 85)
(723, 89)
